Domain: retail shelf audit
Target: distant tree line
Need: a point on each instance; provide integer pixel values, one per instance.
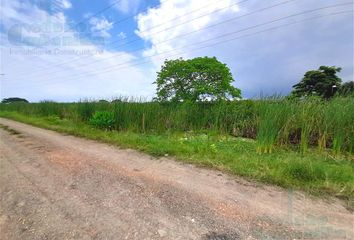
(207, 79)
(14, 100)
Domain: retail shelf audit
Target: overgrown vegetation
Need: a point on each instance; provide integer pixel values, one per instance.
(103, 119)
(273, 122)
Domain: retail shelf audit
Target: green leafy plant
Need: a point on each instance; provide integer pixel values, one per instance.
(103, 119)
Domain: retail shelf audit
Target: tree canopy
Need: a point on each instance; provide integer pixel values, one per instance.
(323, 82)
(347, 89)
(14, 100)
(197, 79)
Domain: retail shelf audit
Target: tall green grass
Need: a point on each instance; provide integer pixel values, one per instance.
(272, 124)
(299, 123)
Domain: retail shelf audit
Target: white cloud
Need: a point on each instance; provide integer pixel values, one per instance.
(127, 6)
(122, 35)
(269, 62)
(101, 27)
(181, 17)
(259, 63)
(41, 74)
(66, 4)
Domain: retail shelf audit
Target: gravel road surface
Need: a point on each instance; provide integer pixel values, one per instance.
(54, 186)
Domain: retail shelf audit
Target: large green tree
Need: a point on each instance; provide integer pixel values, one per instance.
(323, 82)
(197, 79)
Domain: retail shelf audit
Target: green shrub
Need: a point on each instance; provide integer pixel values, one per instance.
(103, 120)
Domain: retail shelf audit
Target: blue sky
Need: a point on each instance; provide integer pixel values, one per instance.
(66, 50)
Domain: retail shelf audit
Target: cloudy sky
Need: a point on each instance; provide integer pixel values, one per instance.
(66, 50)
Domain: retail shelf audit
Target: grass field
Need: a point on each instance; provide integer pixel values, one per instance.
(301, 145)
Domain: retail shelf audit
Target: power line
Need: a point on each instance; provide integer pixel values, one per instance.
(133, 15)
(183, 35)
(220, 42)
(221, 36)
(113, 4)
(79, 58)
(182, 23)
(242, 30)
(101, 11)
(127, 43)
(236, 38)
(94, 15)
(194, 31)
(232, 19)
(240, 37)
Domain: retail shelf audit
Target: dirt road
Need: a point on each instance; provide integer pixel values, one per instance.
(62, 187)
